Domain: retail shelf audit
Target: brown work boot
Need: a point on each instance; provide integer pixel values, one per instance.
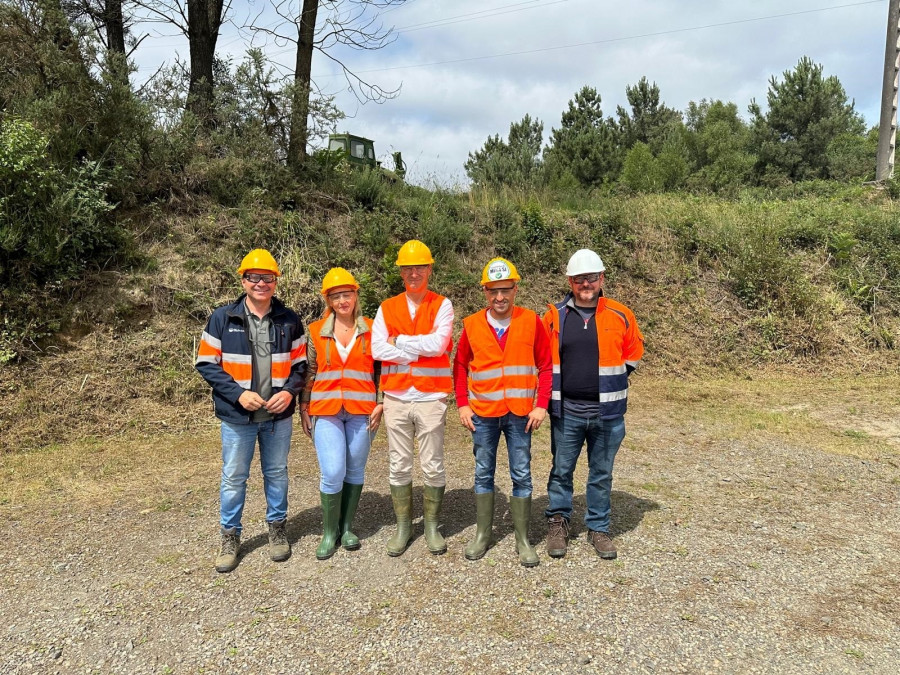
(228, 556)
(602, 543)
(557, 536)
(279, 547)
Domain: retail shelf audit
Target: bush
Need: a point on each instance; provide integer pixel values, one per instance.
(640, 171)
(53, 223)
(367, 187)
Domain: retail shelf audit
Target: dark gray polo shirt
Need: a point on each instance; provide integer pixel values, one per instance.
(262, 337)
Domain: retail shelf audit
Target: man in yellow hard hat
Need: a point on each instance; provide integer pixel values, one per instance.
(253, 355)
(502, 373)
(412, 337)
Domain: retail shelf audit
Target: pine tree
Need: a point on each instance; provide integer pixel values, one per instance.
(806, 112)
(586, 145)
(516, 162)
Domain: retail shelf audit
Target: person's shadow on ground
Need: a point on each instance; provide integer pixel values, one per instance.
(376, 511)
(627, 513)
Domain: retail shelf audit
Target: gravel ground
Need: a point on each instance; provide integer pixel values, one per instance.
(738, 552)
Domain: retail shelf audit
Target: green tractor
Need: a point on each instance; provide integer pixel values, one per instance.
(359, 151)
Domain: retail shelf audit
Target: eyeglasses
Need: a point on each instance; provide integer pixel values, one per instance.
(256, 278)
(343, 295)
(494, 292)
(419, 269)
(586, 278)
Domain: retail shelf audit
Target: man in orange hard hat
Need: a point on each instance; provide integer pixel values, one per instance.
(412, 337)
(502, 372)
(253, 355)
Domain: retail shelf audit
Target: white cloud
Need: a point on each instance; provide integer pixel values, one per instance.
(446, 111)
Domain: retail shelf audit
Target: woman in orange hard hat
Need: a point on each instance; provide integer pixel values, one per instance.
(339, 406)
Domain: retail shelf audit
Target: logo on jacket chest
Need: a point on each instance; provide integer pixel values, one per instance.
(235, 329)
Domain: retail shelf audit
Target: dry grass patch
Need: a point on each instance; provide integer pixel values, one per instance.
(836, 416)
(153, 470)
(876, 596)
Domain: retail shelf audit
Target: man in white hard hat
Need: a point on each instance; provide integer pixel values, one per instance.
(412, 336)
(253, 355)
(587, 407)
(502, 372)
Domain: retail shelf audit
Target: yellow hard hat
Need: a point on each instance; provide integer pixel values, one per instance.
(337, 276)
(259, 259)
(499, 269)
(414, 252)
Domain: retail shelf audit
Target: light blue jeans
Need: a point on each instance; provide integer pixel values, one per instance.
(342, 446)
(568, 435)
(486, 438)
(238, 445)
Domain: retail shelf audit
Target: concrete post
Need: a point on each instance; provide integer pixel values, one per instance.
(887, 132)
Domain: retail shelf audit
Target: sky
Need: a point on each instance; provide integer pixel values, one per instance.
(467, 69)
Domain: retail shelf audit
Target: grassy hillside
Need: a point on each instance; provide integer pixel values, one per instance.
(800, 280)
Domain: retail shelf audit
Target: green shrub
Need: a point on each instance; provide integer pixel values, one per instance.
(53, 223)
(508, 234)
(640, 172)
(367, 187)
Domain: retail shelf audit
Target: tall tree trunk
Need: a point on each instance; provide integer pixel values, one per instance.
(299, 134)
(114, 25)
(204, 21)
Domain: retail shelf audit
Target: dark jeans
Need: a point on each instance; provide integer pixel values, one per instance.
(486, 438)
(568, 435)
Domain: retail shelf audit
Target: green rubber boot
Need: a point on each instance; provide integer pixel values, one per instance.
(520, 510)
(484, 523)
(349, 502)
(432, 498)
(401, 495)
(331, 516)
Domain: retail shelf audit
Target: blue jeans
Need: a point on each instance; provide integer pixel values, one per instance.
(568, 435)
(238, 444)
(342, 445)
(486, 438)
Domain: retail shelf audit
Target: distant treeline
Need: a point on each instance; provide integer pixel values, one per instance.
(808, 130)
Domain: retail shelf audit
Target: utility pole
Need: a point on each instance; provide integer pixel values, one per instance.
(887, 128)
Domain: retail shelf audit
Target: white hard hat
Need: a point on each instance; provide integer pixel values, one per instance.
(584, 261)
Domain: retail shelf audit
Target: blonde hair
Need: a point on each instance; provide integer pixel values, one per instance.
(356, 310)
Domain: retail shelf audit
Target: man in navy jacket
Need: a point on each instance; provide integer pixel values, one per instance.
(253, 355)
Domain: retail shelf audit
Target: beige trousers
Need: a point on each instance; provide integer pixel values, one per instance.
(407, 422)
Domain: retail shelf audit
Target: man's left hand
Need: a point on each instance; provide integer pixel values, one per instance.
(535, 417)
(279, 402)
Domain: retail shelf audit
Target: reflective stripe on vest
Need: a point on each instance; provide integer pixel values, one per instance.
(502, 380)
(338, 384)
(428, 374)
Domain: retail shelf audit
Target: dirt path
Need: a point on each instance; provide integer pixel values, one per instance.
(756, 523)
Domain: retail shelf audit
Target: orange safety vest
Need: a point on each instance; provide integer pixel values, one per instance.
(502, 380)
(428, 374)
(349, 384)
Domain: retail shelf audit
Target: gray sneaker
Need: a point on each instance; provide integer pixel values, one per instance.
(279, 548)
(228, 556)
